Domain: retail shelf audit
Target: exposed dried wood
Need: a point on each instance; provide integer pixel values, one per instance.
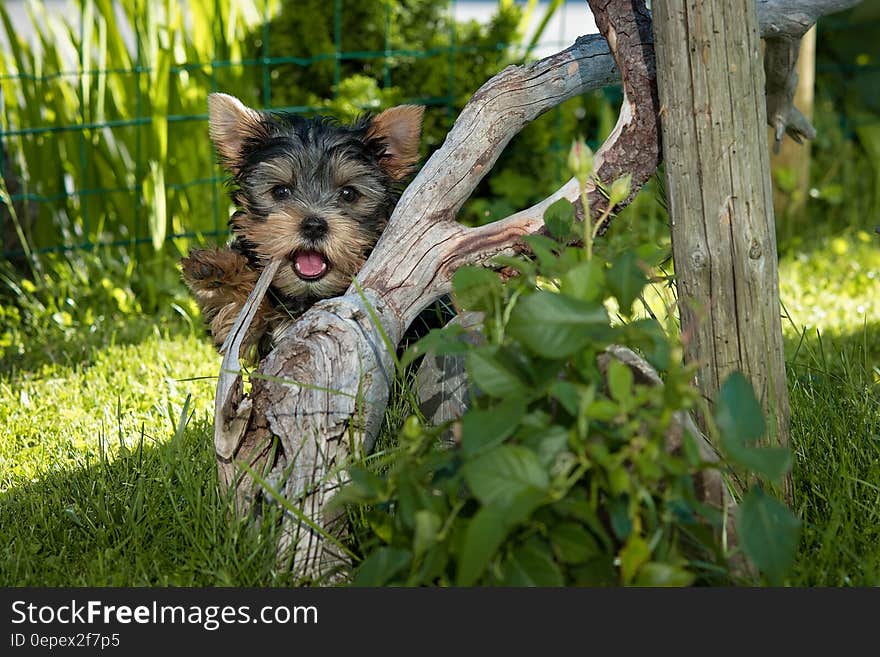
(783, 23)
(780, 66)
(720, 198)
(335, 353)
(794, 17)
(793, 159)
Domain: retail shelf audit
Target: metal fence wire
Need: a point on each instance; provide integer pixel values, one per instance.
(103, 137)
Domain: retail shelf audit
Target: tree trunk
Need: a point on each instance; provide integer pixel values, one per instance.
(711, 85)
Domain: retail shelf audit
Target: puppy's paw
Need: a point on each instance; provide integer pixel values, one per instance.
(207, 269)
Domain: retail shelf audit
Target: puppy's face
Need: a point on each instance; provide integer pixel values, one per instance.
(313, 192)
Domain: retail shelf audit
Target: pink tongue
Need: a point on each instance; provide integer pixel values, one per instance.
(310, 263)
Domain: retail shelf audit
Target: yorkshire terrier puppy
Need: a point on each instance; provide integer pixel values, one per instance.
(310, 190)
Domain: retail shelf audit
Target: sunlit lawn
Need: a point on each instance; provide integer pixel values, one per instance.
(107, 472)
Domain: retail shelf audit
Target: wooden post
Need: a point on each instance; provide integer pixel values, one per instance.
(713, 118)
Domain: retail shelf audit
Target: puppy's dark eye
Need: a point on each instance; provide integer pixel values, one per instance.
(281, 192)
(349, 194)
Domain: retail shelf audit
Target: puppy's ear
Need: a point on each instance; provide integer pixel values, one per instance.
(400, 129)
(230, 124)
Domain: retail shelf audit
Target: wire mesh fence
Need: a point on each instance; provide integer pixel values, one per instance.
(102, 115)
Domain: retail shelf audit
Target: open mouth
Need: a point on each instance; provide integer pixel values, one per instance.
(310, 265)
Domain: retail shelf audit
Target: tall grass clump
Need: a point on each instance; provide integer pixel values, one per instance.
(102, 119)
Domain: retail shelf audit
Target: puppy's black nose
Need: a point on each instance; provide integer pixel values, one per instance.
(313, 227)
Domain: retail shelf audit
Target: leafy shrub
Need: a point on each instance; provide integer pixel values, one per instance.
(560, 473)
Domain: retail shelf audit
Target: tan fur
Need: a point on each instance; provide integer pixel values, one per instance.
(222, 278)
(230, 124)
(221, 281)
(279, 236)
(401, 129)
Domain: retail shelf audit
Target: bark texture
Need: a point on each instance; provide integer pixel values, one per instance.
(791, 156)
(720, 198)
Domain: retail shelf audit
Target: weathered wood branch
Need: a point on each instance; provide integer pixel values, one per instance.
(322, 392)
(780, 66)
(793, 18)
(782, 25)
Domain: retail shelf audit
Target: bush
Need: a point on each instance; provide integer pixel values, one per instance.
(72, 305)
(561, 474)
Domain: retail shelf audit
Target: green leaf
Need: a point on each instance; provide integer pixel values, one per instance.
(427, 526)
(556, 326)
(566, 393)
(648, 336)
(635, 553)
(596, 572)
(366, 483)
(620, 381)
(738, 413)
(559, 218)
(655, 573)
(483, 429)
(532, 565)
(493, 375)
(548, 444)
(603, 410)
(626, 280)
(476, 288)
(771, 462)
(520, 264)
(577, 506)
(768, 533)
(572, 543)
(382, 526)
(381, 566)
(485, 533)
(544, 249)
(433, 565)
(445, 341)
(520, 508)
(585, 281)
(740, 420)
(621, 523)
(506, 471)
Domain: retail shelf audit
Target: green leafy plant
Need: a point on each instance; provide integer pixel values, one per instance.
(71, 305)
(561, 472)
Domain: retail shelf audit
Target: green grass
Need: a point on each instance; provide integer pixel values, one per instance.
(108, 477)
(107, 473)
(836, 441)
